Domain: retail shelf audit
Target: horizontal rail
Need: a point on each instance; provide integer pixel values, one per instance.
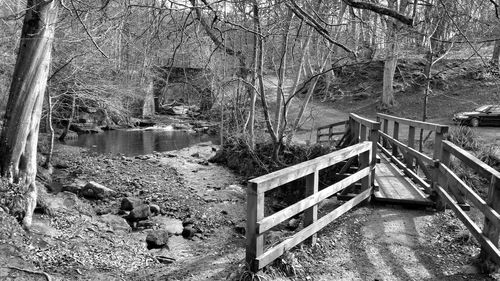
(373, 125)
(414, 123)
(477, 201)
(407, 172)
(275, 219)
(488, 245)
(300, 236)
(477, 165)
(413, 152)
(278, 178)
(332, 125)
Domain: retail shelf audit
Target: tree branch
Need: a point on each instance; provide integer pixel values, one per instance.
(380, 10)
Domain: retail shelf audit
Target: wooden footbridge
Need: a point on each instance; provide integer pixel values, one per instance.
(376, 161)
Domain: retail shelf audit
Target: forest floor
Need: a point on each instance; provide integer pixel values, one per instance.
(75, 238)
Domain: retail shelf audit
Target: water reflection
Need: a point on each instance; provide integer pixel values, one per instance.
(138, 142)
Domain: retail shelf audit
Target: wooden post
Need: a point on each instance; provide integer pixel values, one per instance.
(311, 214)
(438, 178)
(395, 135)
(374, 136)
(330, 131)
(489, 230)
(255, 212)
(438, 141)
(411, 143)
(385, 129)
(362, 134)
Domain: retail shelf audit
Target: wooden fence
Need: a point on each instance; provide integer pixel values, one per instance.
(326, 134)
(258, 224)
(454, 192)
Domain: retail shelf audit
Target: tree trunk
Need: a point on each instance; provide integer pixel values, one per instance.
(390, 63)
(70, 118)
(495, 58)
(47, 163)
(19, 137)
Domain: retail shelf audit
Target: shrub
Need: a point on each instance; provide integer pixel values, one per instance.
(464, 136)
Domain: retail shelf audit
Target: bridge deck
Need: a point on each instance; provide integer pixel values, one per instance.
(394, 187)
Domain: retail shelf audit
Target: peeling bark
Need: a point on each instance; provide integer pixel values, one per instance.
(19, 136)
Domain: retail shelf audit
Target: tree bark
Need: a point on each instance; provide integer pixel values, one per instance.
(390, 63)
(62, 137)
(19, 136)
(495, 58)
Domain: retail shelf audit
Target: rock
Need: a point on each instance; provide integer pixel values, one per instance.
(102, 211)
(241, 228)
(173, 226)
(74, 187)
(293, 224)
(157, 239)
(129, 203)
(196, 155)
(181, 126)
(115, 222)
(187, 222)
(141, 212)
(176, 110)
(145, 224)
(188, 232)
(96, 191)
(155, 209)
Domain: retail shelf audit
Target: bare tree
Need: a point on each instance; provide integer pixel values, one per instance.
(19, 136)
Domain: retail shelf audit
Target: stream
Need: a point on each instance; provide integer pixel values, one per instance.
(139, 142)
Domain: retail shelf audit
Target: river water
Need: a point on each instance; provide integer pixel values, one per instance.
(139, 142)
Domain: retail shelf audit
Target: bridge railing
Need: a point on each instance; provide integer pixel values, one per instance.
(258, 224)
(453, 192)
(327, 133)
(403, 152)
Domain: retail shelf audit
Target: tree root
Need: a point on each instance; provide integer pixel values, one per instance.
(46, 275)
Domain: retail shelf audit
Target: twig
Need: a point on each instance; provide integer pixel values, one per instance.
(47, 276)
(87, 31)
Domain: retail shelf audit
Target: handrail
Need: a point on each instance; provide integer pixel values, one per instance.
(374, 125)
(415, 123)
(452, 191)
(258, 224)
(330, 132)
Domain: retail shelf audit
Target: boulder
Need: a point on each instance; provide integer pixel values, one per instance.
(155, 209)
(74, 187)
(129, 203)
(176, 110)
(139, 213)
(115, 222)
(157, 239)
(96, 191)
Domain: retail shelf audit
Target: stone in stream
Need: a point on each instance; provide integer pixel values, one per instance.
(97, 191)
(115, 222)
(139, 213)
(129, 203)
(157, 239)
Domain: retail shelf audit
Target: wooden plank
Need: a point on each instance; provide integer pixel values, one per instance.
(485, 242)
(469, 160)
(475, 199)
(490, 229)
(406, 171)
(255, 242)
(424, 158)
(332, 134)
(411, 144)
(280, 177)
(311, 213)
(365, 121)
(278, 250)
(395, 137)
(414, 123)
(396, 186)
(438, 143)
(336, 124)
(270, 221)
(362, 133)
